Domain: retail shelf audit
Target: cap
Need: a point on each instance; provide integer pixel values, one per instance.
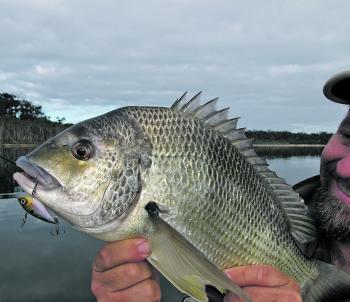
(337, 88)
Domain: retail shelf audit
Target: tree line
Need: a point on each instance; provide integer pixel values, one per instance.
(286, 137)
(22, 122)
(13, 107)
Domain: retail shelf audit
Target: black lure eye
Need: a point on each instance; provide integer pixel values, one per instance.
(82, 150)
(23, 201)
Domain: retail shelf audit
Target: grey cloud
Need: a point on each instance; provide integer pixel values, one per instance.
(267, 60)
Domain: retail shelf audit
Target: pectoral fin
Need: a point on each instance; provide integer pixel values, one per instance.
(183, 265)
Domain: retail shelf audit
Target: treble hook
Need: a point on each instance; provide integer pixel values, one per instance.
(24, 220)
(34, 189)
(57, 228)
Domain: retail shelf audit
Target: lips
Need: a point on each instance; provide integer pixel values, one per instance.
(33, 176)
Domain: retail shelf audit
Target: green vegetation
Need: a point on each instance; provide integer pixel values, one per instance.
(22, 122)
(286, 137)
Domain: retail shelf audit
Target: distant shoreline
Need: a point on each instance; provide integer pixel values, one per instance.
(255, 145)
(290, 145)
(18, 145)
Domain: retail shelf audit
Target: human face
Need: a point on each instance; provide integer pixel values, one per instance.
(332, 203)
(336, 156)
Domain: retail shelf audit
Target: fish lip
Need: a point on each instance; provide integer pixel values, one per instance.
(38, 174)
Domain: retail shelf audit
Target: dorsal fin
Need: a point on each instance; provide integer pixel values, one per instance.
(204, 110)
(192, 104)
(179, 102)
(301, 225)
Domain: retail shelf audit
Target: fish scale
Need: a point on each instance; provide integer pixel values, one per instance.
(232, 180)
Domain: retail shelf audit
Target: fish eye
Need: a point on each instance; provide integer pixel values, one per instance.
(23, 201)
(82, 150)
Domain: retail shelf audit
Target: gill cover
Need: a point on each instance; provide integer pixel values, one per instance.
(125, 183)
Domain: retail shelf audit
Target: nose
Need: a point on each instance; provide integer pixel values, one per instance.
(337, 151)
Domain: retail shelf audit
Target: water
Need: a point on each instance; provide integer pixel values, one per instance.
(38, 267)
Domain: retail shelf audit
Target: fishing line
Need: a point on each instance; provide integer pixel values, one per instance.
(35, 186)
(24, 220)
(57, 230)
(13, 168)
(8, 160)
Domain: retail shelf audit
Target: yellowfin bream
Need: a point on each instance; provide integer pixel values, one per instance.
(190, 181)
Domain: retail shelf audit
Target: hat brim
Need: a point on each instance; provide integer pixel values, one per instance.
(337, 88)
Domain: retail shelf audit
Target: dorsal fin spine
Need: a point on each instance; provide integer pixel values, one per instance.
(205, 109)
(226, 125)
(235, 134)
(192, 103)
(217, 116)
(176, 105)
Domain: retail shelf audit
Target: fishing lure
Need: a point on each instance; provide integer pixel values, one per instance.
(35, 208)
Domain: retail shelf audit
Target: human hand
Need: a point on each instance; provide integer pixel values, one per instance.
(263, 283)
(121, 274)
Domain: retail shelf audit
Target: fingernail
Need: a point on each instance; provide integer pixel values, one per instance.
(144, 248)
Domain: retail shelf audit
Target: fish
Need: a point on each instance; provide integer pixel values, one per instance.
(189, 180)
(35, 208)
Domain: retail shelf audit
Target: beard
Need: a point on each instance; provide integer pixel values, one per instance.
(331, 214)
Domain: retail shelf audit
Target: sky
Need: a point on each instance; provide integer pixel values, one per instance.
(267, 60)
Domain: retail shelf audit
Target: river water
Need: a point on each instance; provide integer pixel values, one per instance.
(37, 266)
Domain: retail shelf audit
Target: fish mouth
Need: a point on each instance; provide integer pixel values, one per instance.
(34, 176)
(39, 183)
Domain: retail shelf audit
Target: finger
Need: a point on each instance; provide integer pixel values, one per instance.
(257, 275)
(155, 273)
(293, 285)
(120, 252)
(267, 294)
(123, 276)
(145, 291)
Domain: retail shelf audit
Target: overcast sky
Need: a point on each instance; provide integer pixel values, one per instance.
(267, 60)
